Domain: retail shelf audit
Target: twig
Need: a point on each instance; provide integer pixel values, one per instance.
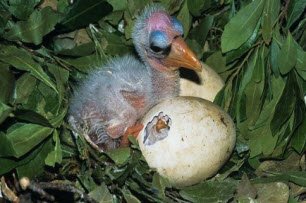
(61, 63)
(66, 188)
(26, 184)
(222, 11)
(283, 13)
(7, 192)
(40, 188)
(175, 197)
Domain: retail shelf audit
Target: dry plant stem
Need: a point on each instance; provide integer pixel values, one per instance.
(61, 63)
(40, 188)
(283, 13)
(92, 152)
(225, 8)
(174, 197)
(35, 187)
(65, 188)
(8, 193)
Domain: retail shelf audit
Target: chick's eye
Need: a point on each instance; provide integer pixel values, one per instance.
(156, 48)
(158, 41)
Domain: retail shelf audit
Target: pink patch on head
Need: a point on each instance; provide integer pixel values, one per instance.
(160, 21)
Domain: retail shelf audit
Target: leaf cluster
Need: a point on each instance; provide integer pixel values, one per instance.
(258, 48)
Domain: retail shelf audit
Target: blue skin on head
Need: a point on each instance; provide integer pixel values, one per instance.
(177, 26)
(160, 39)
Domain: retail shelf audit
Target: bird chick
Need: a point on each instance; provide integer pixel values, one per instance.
(115, 96)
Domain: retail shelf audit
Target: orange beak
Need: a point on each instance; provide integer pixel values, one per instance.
(182, 56)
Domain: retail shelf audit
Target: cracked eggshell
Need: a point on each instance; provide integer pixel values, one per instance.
(199, 141)
(205, 84)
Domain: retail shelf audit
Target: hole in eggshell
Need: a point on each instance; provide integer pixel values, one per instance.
(153, 131)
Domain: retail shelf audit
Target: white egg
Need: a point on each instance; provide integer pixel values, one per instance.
(197, 141)
(205, 84)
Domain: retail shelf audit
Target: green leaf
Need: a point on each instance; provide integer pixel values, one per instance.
(81, 13)
(85, 63)
(262, 141)
(9, 163)
(287, 55)
(22, 10)
(277, 86)
(24, 87)
(7, 82)
(274, 53)
(136, 6)
(160, 183)
(4, 19)
(21, 138)
(120, 155)
(284, 134)
(129, 197)
(61, 77)
(33, 30)
(245, 189)
(259, 72)
(57, 120)
(299, 138)
(301, 60)
(171, 5)
(288, 100)
(185, 17)
(270, 15)
(245, 80)
(101, 194)
(241, 26)
(203, 28)
(87, 181)
(295, 10)
(237, 53)
(297, 177)
(56, 155)
(209, 191)
(291, 163)
(61, 47)
(277, 192)
(195, 6)
(115, 44)
(62, 5)
(4, 111)
(36, 165)
(195, 46)
(32, 117)
(217, 62)
(22, 60)
(118, 5)
(302, 74)
(254, 90)
(50, 105)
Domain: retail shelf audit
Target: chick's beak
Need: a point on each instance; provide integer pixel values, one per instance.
(182, 56)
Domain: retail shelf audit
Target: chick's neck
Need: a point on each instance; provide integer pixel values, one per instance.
(165, 81)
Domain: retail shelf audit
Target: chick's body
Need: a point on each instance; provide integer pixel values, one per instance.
(114, 97)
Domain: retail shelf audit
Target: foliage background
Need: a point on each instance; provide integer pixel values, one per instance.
(258, 47)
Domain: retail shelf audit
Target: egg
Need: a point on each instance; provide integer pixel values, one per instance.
(186, 139)
(205, 84)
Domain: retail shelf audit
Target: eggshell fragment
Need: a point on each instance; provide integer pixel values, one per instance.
(198, 139)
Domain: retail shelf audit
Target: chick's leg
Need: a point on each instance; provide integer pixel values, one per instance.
(133, 131)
